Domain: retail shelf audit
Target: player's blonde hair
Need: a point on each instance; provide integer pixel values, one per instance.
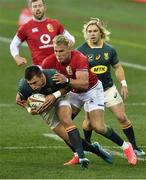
(100, 24)
(61, 39)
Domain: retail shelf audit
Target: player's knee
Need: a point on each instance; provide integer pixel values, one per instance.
(86, 125)
(122, 118)
(101, 129)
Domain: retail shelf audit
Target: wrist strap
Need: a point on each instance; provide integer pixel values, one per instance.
(124, 83)
(57, 94)
(67, 80)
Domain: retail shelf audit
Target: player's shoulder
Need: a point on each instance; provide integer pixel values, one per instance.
(82, 46)
(49, 59)
(23, 84)
(77, 53)
(108, 46)
(52, 21)
(78, 57)
(50, 72)
(110, 49)
(26, 25)
(22, 81)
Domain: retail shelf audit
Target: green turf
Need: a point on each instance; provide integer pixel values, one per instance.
(24, 152)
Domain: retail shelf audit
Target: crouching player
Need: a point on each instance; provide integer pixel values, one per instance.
(56, 110)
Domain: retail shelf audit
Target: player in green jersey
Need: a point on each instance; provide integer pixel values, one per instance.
(102, 57)
(55, 106)
(56, 110)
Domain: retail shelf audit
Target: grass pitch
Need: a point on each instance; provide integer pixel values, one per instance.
(25, 153)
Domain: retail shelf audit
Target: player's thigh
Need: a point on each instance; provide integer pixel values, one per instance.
(50, 117)
(75, 110)
(64, 114)
(75, 101)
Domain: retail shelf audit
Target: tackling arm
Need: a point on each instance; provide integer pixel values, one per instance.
(80, 83)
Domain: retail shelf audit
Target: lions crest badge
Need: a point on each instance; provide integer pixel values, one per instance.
(69, 70)
(50, 27)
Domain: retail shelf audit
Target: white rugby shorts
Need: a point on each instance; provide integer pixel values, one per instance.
(50, 114)
(112, 97)
(91, 100)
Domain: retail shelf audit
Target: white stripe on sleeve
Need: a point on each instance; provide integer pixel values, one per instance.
(69, 36)
(14, 46)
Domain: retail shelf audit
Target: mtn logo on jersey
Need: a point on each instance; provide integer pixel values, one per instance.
(35, 30)
(99, 69)
(69, 70)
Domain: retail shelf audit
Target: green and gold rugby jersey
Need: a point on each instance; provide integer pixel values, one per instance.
(100, 61)
(25, 90)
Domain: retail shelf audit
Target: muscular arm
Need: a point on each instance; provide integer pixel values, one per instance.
(119, 72)
(80, 83)
(120, 75)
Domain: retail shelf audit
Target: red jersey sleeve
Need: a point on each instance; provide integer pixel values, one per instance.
(59, 26)
(49, 62)
(21, 33)
(81, 62)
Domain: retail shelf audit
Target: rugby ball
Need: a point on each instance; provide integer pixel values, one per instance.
(35, 101)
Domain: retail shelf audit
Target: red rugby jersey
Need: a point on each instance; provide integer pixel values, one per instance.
(78, 62)
(39, 36)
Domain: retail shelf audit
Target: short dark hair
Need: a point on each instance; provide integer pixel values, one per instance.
(37, 0)
(32, 71)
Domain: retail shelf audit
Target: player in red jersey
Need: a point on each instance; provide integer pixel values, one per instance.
(25, 14)
(86, 91)
(38, 33)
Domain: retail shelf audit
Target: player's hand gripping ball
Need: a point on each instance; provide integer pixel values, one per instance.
(35, 101)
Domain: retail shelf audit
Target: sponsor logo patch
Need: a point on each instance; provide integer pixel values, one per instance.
(99, 69)
(35, 30)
